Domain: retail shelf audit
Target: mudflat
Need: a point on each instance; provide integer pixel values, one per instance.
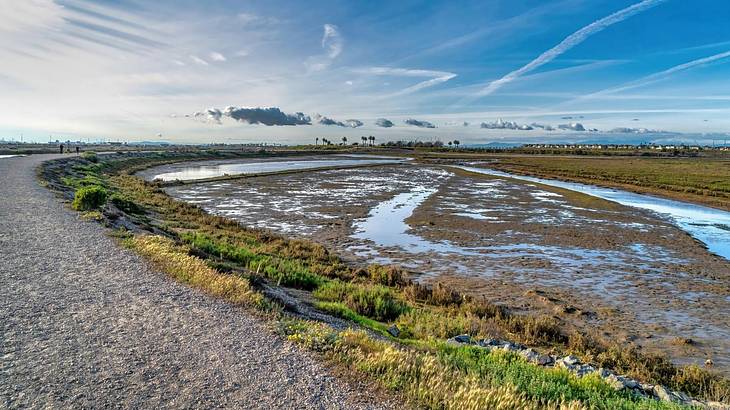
(597, 265)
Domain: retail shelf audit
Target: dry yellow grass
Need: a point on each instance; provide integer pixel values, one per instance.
(176, 262)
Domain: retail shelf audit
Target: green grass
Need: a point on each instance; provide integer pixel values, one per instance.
(441, 376)
(373, 301)
(284, 272)
(341, 310)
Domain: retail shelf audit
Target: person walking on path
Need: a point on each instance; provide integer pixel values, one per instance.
(77, 150)
(61, 148)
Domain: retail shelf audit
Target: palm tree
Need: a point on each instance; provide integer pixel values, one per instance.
(316, 141)
(456, 142)
(449, 143)
(364, 140)
(344, 140)
(372, 140)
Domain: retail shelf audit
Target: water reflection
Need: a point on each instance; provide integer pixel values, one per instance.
(211, 171)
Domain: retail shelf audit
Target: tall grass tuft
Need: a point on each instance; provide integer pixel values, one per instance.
(373, 301)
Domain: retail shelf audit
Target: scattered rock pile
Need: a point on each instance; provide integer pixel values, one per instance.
(574, 365)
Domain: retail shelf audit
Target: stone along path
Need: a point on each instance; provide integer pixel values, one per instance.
(85, 323)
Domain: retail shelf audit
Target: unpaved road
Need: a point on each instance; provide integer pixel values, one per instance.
(86, 324)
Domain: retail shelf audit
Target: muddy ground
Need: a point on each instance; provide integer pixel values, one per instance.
(597, 265)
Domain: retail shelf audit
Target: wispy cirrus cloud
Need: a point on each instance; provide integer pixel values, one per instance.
(332, 41)
(568, 43)
(332, 44)
(198, 60)
(435, 77)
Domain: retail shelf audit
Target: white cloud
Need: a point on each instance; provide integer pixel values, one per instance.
(27, 15)
(250, 19)
(332, 41)
(198, 60)
(216, 56)
(570, 42)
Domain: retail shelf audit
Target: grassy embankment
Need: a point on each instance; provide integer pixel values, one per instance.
(221, 257)
(699, 180)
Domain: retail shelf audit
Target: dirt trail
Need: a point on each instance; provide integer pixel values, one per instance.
(84, 323)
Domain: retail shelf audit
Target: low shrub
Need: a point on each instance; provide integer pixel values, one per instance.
(90, 197)
(90, 156)
(387, 275)
(373, 301)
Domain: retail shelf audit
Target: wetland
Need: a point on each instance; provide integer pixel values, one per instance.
(627, 272)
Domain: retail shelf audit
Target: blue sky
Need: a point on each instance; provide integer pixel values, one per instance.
(141, 70)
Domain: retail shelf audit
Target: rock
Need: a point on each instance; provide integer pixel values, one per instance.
(646, 388)
(545, 360)
(490, 342)
(630, 383)
(529, 354)
(623, 382)
(534, 357)
(568, 361)
(663, 394)
(604, 372)
(460, 340)
(584, 370)
(614, 381)
(463, 339)
(394, 331)
(510, 347)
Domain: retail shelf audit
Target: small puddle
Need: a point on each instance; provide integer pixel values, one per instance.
(386, 226)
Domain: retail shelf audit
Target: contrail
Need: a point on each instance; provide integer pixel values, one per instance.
(438, 77)
(649, 79)
(663, 74)
(570, 42)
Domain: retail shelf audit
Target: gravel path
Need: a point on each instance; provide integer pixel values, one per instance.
(86, 324)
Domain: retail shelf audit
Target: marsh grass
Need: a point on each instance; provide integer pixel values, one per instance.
(702, 180)
(373, 301)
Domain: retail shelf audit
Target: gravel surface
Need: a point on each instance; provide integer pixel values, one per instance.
(87, 324)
